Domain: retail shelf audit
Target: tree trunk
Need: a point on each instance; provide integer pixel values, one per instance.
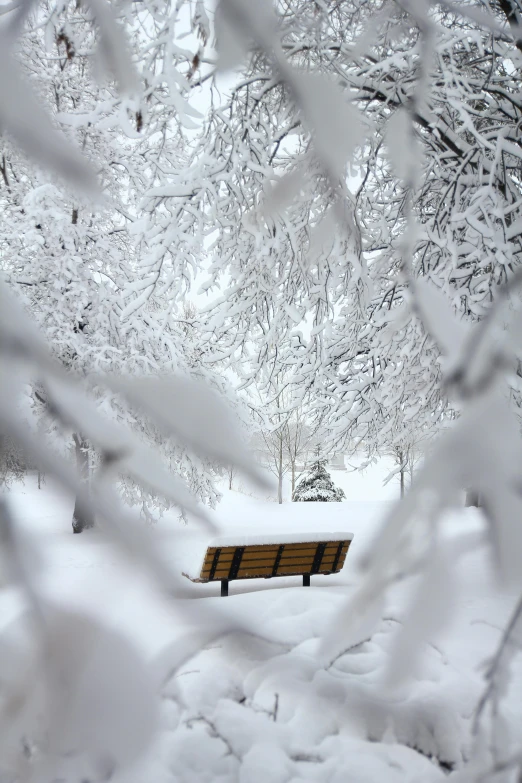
(293, 478)
(472, 498)
(403, 471)
(82, 518)
(230, 476)
(280, 473)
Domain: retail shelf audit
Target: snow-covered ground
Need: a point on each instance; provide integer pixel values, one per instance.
(261, 706)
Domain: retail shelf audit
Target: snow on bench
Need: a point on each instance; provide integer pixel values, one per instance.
(264, 557)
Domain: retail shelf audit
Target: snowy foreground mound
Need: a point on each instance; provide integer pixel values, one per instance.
(261, 707)
(260, 711)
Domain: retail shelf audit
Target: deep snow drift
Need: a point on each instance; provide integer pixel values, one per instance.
(261, 705)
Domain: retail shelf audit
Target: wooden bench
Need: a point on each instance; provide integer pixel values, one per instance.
(267, 557)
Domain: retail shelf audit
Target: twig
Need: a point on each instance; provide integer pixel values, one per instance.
(496, 663)
(502, 766)
(347, 650)
(211, 726)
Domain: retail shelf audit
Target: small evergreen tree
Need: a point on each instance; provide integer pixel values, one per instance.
(317, 485)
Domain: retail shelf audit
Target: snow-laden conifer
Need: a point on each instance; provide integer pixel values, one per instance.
(317, 485)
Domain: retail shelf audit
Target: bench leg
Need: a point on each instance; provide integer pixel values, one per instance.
(306, 580)
(224, 587)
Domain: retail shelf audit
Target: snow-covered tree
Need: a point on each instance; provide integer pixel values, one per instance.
(438, 199)
(317, 485)
(270, 437)
(12, 463)
(299, 440)
(74, 263)
(320, 282)
(283, 434)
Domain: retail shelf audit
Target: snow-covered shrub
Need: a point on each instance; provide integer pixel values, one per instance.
(317, 485)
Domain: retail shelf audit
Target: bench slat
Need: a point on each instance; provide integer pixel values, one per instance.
(268, 547)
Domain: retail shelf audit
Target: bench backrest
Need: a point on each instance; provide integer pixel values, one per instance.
(267, 560)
